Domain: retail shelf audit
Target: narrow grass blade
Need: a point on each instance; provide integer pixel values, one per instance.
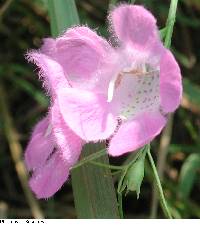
(63, 14)
(188, 175)
(170, 23)
(93, 188)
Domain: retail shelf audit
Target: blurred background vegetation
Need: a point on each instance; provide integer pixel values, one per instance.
(23, 24)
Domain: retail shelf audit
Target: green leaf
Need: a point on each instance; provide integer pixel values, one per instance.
(135, 176)
(90, 158)
(93, 188)
(188, 174)
(63, 14)
(170, 23)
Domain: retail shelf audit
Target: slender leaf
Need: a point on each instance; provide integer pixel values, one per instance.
(93, 188)
(188, 174)
(63, 14)
(170, 23)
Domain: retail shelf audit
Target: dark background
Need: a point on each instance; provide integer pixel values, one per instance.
(23, 23)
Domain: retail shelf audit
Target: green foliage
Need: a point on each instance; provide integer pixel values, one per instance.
(134, 174)
(63, 14)
(188, 175)
(94, 193)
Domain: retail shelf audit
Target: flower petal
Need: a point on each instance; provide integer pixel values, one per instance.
(48, 47)
(135, 134)
(40, 146)
(81, 51)
(87, 114)
(48, 179)
(136, 94)
(68, 143)
(170, 83)
(85, 33)
(51, 71)
(134, 25)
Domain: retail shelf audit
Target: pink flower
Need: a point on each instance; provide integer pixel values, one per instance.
(51, 152)
(99, 92)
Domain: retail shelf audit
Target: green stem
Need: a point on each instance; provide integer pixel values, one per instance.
(161, 162)
(170, 22)
(107, 165)
(116, 172)
(120, 183)
(90, 158)
(166, 34)
(120, 205)
(158, 184)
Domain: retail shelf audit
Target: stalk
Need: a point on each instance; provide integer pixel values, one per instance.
(159, 186)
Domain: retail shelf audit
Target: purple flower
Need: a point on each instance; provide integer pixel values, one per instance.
(122, 93)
